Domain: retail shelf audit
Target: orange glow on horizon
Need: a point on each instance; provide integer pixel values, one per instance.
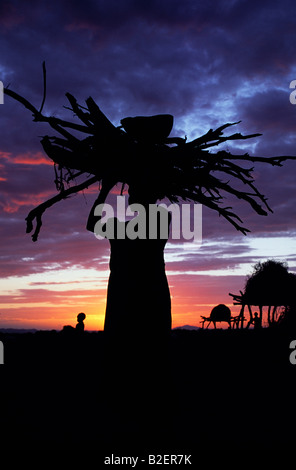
(46, 316)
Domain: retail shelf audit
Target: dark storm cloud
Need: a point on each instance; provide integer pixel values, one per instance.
(145, 55)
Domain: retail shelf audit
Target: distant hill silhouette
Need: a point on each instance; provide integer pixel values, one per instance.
(187, 327)
(18, 330)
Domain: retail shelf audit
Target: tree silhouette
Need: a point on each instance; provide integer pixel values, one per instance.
(271, 285)
(154, 166)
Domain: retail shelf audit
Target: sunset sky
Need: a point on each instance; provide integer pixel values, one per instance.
(206, 63)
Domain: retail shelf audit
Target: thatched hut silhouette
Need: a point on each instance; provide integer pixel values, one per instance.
(220, 313)
(271, 286)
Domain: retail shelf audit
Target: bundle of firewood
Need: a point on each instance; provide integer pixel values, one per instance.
(140, 151)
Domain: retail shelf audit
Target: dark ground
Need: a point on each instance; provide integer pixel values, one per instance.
(223, 389)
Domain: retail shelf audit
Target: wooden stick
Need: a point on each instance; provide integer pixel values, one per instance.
(44, 87)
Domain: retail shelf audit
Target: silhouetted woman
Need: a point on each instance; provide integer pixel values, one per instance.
(138, 299)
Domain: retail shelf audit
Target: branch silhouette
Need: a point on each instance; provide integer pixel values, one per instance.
(36, 213)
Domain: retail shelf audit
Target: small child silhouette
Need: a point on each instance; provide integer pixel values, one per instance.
(80, 325)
